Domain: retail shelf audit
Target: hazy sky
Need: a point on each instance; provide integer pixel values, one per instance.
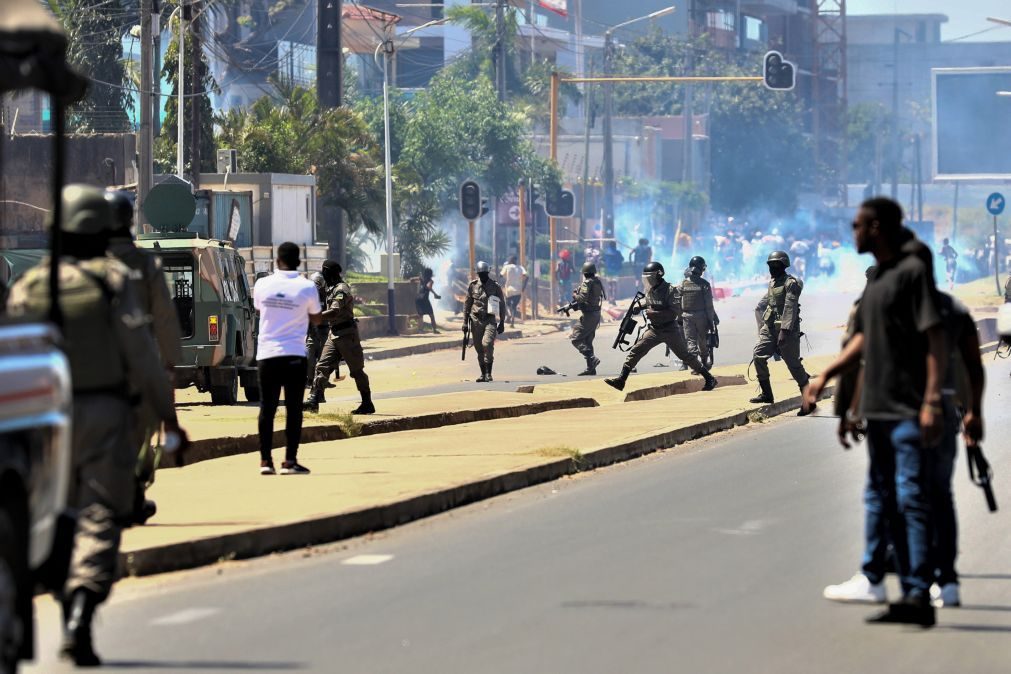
(964, 16)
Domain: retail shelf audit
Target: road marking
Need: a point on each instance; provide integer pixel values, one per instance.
(749, 528)
(367, 560)
(189, 615)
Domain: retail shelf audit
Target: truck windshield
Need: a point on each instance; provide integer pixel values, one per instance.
(178, 268)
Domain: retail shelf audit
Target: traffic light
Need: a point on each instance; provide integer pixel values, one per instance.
(471, 203)
(532, 196)
(484, 206)
(778, 73)
(560, 203)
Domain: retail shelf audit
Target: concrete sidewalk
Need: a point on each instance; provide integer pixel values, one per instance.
(222, 508)
(450, 336)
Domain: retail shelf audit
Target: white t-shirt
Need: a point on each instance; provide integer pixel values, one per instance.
(285, 299)
(512, 279)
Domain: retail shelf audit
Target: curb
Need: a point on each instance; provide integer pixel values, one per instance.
(217, 448)
(444, 345)
(331, 528)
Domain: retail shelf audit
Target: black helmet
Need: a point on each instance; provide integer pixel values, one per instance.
(653, 268)
(482, 268)
(698, 262)
(122, 210)
(590, 269)
(779, 256)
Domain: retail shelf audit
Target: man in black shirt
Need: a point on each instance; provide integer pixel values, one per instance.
(899, 334)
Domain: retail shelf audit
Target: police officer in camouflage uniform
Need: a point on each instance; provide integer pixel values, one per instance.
(110, 347)
(780, 329)
(699, 313)
(662, 305)
(343, 343)
(485, 302)
(152, 292)
(315, 340)
(587, 298)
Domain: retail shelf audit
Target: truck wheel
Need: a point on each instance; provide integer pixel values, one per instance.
(227, 394)
(252, 393)
(12, 628)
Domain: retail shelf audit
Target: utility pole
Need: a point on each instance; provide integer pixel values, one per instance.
(196, 79)
(687, 110)
(896, 152)
(184, 15)
(329, 89)
(607, 225)
(145, 143)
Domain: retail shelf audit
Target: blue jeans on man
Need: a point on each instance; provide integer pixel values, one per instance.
(897, 502)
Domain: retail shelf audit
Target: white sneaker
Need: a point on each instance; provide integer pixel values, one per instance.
(857, 589)
(946, 595)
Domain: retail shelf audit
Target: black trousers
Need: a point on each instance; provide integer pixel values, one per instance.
(275, 374)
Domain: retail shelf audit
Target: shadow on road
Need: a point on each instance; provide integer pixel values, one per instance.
(202, 665)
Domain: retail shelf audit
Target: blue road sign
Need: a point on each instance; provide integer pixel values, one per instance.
(995, 203)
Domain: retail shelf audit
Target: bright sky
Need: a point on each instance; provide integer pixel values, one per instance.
(964, 16)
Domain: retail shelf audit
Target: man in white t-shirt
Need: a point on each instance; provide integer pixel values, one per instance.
(513, 281)
(287, 303)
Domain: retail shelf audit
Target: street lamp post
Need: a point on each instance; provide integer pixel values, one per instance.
(608, 224)
(389, 49)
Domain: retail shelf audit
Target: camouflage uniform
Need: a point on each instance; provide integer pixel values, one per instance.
(782, 312)
(343, 343)
(484, 325)
(699, 315)
(588, 298)
(315, 340)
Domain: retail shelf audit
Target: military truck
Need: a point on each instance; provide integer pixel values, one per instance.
(214, 303)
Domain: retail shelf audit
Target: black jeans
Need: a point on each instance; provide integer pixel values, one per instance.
(289, 373)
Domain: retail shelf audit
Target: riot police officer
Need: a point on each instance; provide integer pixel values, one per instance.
(315, 340)
(152, 292)
(662, 305)
(110, 348)
(485, 310)
(780, 329)
(587, 299)
(699, 313)
(343, 343)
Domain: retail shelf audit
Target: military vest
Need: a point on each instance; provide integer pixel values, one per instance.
(777, 297)
(590, 294)
(88, 291)
(693, 298)
(663, 305)
(480, 294)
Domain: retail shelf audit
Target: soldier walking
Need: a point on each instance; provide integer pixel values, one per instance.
(780, 329)
(485, 309)
(699, 313)
(343, 343)
(662, 305)
(110, 347)
(324, 281)
(587, 299)
(155, 299)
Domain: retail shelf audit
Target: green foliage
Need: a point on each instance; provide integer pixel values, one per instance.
(94, 29)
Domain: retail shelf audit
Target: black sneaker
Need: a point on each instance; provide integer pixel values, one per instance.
(267, 468)
(293, 468)
(908, 611)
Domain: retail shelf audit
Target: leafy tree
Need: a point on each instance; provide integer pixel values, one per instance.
(95, 29)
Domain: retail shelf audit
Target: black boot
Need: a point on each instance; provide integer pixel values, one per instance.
(803, 412)
(710, 381)
(487, 375)
(366, 407)
(77, 645)
(311, 403)
(591, 367)
(484, 372)
(619, 381)
(766, 395)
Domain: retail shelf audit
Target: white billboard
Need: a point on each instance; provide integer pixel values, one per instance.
(972, 123)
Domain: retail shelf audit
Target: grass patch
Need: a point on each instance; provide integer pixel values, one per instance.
(345, 420)
(757, 417)
(562, 451)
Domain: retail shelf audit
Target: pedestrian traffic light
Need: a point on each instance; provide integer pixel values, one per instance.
(470, 200)
(560, 203)
(778, 73)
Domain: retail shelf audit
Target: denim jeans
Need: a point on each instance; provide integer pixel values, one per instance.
(945, 539)
(897, 504)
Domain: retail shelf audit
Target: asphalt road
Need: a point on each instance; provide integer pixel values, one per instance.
(707, 558)
(516, 361)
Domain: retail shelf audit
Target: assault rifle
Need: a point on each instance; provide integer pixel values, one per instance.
(713, 339)
(566, 308)
(981, 474)
(628, 323)
(466, 337)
